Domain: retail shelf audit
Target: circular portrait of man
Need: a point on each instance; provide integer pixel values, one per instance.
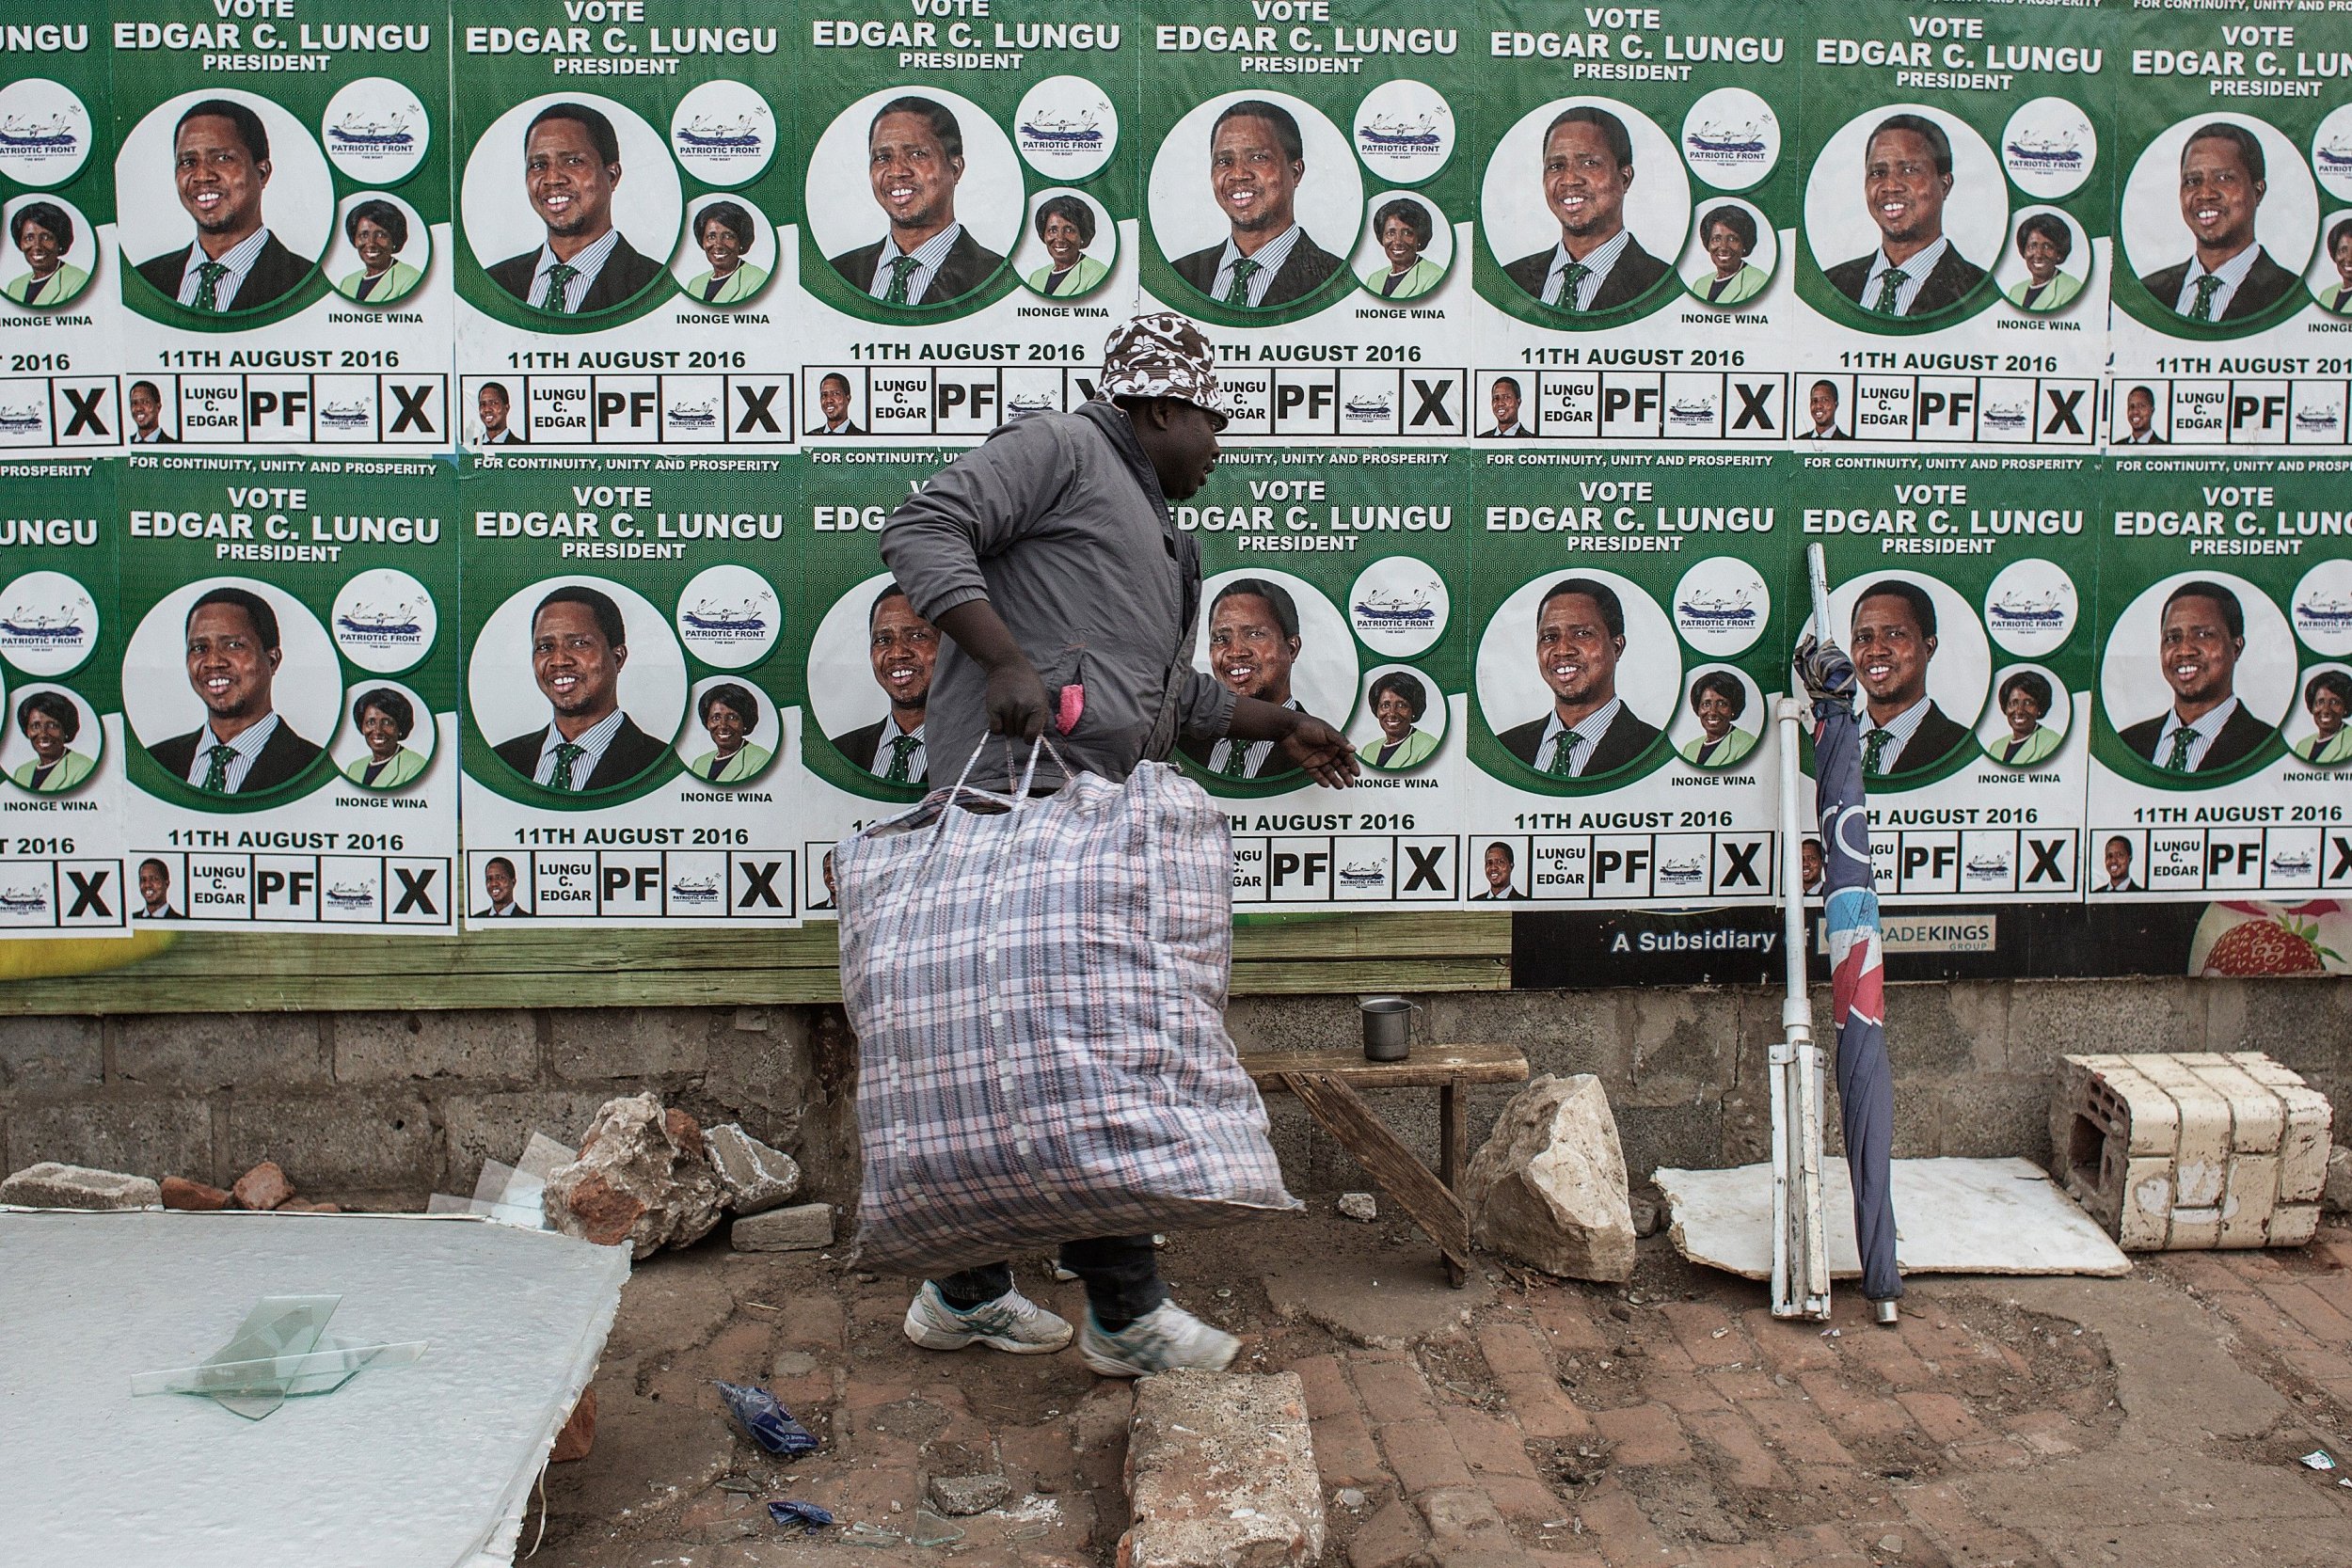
(381, 249)
(729, 254)
(1276, 638)
(915, 196)
(1722, 718)
(2329, 277)
(2029, 717)
(1401, 718)
(1070, 246)
(577, 684)
(1256, 199)
(1922, 663)
(392, 737)
(1733, 252)
(51, 254)
(2198, 675)
(1406, 249)
(232, 686)
(568, 202)
(734, 732)
(54, 741)
(2315, 731)
(2047, 263)
(1586, 204)
(1578, 671)
(225, 199)
(869, 683)
(2219, 218)
(1902, 211)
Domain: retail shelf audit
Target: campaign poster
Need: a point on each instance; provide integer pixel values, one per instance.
(631, 736)
(61, 869)
(281, 173)
(1953, 260)
(289, 683)
(1636, 199)
(1334, 582)
(59, 299)
(2233, 206)
(624, 263)
(970, 201)
(1962, 586)
(2224, 675)
(1629, 635)
(1312, 176)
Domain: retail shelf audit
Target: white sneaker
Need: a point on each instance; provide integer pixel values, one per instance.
(1161, 1340)
(1011, 1322)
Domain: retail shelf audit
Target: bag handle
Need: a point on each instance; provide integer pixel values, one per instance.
(1018, 799)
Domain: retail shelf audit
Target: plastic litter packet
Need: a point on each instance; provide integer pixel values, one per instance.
(800, 1513)
(771, 1425)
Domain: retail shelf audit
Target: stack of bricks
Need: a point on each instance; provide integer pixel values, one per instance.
(2194, 1150)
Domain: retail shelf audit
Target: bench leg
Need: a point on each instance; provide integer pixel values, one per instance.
(1394, 1169)
(1449, 1138)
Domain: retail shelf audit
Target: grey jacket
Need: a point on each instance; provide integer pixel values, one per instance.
(1059, 521)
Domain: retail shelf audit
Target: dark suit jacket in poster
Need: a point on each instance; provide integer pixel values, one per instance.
(1625, 739)
(1307, 269)
(1946, 287)
(2240, 739)
(968, 265)
(862, 745)
(1929, 744)
(1636, 273)
(283, 757)
(275, 273)
(2265, 283)
(632, 753)
(625, 273)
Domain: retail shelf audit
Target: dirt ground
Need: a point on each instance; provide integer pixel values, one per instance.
(2152, 1421)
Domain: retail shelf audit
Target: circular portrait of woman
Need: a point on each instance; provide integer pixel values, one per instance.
(2329, 278)
(2029, 717)
(729, 253)
(1256, 199)
(1731, 256)
(225, 202)
(1586, 204)
(735, 733)
(2047, 263)
(392, 737)
(2316, 733)
(568, 200)
(1406, 249)
(381, 249)
(233, 686)
(52, 252)
(1276, 638)
(915, 196)
(1722, 716)
(1403, 719)
(1071, 245)
(54, 742)
(577, 684)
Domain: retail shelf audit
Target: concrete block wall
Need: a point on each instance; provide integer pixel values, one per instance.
(385, 1108)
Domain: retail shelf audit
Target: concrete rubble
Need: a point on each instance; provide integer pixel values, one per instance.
(961, 1497)
(642, 1176)
(796, 1229)
(756, 1178)
(52, 1185)
(1549, 1187)
(2337, 1197)
(1221, 1474)
(262, 1187)
(1359, 1206)
(181, 1193)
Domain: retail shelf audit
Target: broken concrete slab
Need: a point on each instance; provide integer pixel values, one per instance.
(756, 1178)
(52, 1186)
(795, 1230)
(1548, 1186)
(1951, 1216)
(1221, 1474)
(640, 1177)
(1379, 1299)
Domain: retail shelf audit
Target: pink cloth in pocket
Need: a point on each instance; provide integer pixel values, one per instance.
(1072, 702)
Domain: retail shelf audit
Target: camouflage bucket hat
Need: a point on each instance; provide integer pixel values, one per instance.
(1161, 356)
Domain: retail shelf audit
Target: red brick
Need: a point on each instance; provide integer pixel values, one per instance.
(580, 1430)
(1943, 1419)
(181, 1193)
(1684, 1390)
(813, 1323)
(1462, 1517)
(2334, 1289)
(1488, 1444)
(2257, 1267)
(1511, 1349)
(1731, 1437)
(2046, 1432)
(1797, 1432)
(1423, 1455)
(265, 1187)
(1543, 1408)
(1993, 1453)
(1885, 1356)
(1390, 1537)
(1328, 1392)
(1345, 1452)
(1391, 1390)
(1568, 1322)
(1620, 1530)
(1748, 1554)
(1743, 1385)
(2205, 1272)
(2311, 1311)
(1644, 1434)
(1524, 1501)
(1853, 1412)
(1787, 1348)
(2320, 1365)
(1966, 1539)
(1707, 1334)
(1820, 1546)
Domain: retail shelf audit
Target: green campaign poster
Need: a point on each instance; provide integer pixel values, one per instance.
(1635, 202)
(1952, 268)
(1335, 581)
(61, 869)
(2234, 210)
(1961, 586)
(1309, 200)
(281, 171)
(632, 734)
(2224, 675)
(971, 203)
(58, 301)
(625, 263)
(1631, 635)
(290, 682)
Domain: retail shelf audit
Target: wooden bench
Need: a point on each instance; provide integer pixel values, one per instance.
(1327, 1082)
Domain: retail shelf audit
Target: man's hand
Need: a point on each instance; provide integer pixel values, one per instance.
(1017, 704)
(1328, 757)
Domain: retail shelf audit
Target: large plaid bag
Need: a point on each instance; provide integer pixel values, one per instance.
(1038, 987)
